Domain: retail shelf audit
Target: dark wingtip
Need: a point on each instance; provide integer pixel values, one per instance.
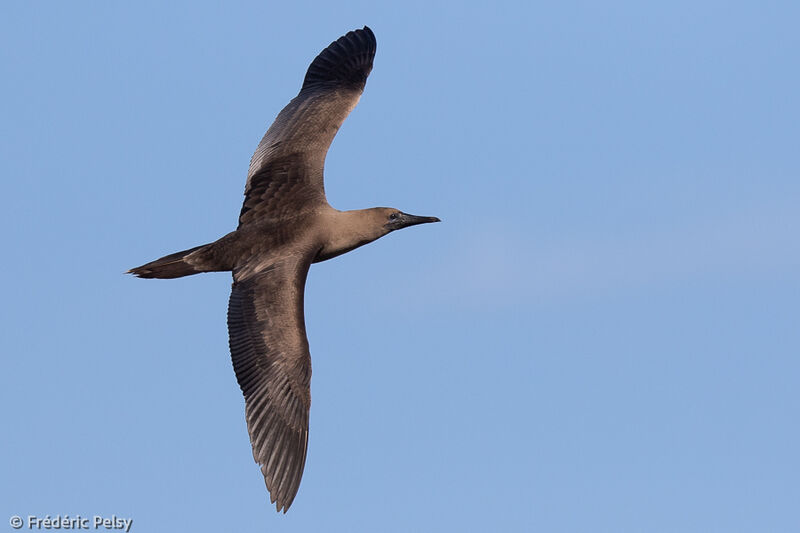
(347, 61)
(282, 504)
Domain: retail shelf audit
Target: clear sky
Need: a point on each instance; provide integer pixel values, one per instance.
(602, 335)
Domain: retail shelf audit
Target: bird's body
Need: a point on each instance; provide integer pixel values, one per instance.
(285, 225)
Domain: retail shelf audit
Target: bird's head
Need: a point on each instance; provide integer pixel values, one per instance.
(392, 219)
(351, 229)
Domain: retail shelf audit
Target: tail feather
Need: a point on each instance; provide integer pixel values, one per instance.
(170, 266)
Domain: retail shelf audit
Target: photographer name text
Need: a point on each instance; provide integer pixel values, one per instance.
(71, 522)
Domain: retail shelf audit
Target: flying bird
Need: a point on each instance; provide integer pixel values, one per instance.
(285, 225)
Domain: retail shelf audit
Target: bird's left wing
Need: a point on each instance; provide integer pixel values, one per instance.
(270, 356)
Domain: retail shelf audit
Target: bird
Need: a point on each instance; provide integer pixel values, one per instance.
(284, 226)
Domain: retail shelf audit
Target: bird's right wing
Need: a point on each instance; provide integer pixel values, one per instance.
(286, 170)
(270, 356)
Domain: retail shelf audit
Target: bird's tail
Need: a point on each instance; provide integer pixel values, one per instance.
(175, 265)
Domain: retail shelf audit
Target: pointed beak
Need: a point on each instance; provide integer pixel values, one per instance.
(412, 220)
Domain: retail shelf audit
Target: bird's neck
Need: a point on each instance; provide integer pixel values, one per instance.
(347, 230)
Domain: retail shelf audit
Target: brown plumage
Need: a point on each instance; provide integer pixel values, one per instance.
(285, 225)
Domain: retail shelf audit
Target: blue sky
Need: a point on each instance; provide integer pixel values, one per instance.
(602, 335)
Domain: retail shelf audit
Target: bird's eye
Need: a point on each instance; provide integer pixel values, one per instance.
(394, 216)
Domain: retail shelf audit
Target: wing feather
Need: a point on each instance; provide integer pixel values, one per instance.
(286, 171)
(271, 359)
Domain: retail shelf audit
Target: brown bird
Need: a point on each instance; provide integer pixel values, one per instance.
(285, 225)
